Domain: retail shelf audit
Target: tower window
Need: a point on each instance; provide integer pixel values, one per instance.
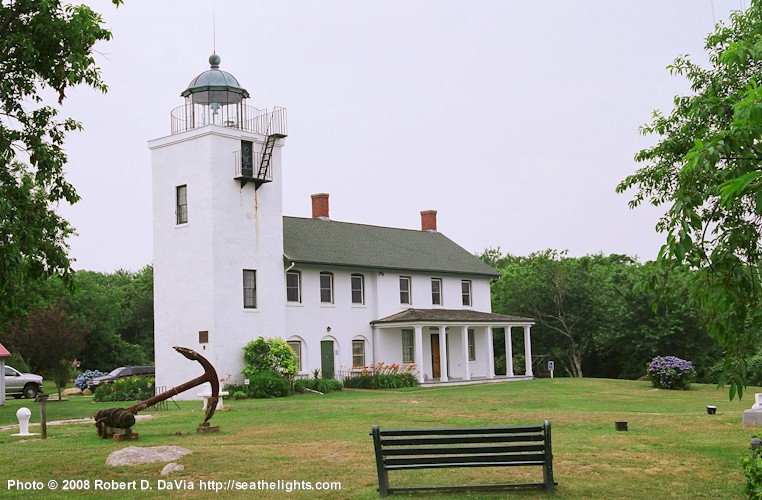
(181, 208)
(249, 289)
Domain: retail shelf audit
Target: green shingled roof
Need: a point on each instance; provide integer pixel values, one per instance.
(343, 244)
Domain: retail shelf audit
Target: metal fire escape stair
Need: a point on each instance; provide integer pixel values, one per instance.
(276, 129)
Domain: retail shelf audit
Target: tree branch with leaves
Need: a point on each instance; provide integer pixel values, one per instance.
(47, 46)
(706, 170)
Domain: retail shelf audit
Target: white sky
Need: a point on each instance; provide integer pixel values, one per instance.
(514, 119)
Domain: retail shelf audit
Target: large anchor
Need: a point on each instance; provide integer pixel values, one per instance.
(117, 422)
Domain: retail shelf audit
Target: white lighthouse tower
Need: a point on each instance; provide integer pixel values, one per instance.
(217, 228)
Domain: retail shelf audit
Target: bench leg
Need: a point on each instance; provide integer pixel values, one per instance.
(383, 474)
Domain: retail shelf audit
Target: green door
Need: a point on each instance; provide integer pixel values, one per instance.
(326, 358)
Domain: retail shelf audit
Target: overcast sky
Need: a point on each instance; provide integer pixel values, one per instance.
(514, 119)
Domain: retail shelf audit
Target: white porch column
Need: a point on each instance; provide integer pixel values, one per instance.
(374, 344)
(443, 354)
(528, 350)
(508, 352)
(490, 354)
(418, 352)
(466, 361)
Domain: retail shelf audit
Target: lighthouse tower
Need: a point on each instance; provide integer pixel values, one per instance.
(217, 228)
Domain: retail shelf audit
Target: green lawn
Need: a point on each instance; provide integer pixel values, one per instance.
(672, 450)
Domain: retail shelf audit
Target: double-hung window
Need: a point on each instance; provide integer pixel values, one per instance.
(294, 286)
(358, 353)
(296, 346)
(408, 350)
(249, 289)
(436, 291)
(405, 290)
(358, 289)
(181, 204)
(326, 288)
(466, 292)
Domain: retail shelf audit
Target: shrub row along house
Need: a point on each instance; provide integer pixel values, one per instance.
(229, 267)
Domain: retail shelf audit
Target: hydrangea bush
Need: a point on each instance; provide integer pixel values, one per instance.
(671, 372)
(83, 380)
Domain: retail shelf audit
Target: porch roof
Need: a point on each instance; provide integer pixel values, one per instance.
(449, 316)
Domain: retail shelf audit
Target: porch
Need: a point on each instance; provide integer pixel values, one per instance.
(453, 347)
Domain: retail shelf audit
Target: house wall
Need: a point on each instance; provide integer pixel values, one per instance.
(310, 320)
(198, 266)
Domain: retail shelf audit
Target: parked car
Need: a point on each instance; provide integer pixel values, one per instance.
(19, 384)
(122, 372)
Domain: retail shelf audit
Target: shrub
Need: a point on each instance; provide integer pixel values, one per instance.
(752, 469)
(83, 380)
(381, 376)
(126, 389)
(273, 355)
(239, 395)
(267, 384)
(670, 372)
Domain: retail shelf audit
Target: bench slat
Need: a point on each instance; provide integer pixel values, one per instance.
(464, 464)
(518, 458)
(462, 430)
(445, 450)
(418, 441)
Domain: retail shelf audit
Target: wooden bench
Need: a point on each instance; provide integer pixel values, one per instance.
(401, 449)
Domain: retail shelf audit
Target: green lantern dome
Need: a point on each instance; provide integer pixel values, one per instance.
(215, 87)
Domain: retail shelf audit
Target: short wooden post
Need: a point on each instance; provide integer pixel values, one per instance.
(42, 398)
(383, 474)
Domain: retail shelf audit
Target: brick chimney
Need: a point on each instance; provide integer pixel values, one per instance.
(428, 220)
(320, 206)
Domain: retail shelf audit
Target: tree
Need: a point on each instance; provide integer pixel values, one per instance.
(46, 46)
(706, 169)
(556, 291)
(49, 342)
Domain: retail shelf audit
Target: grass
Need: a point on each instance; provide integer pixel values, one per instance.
(672, 450)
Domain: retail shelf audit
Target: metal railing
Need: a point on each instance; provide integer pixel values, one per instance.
(250, 170)
(239, 116)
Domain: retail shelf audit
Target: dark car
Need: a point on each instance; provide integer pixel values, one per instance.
(123, 372)
(19, 384)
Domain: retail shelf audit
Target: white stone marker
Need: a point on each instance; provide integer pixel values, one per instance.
(24, 414)
(754, 416)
